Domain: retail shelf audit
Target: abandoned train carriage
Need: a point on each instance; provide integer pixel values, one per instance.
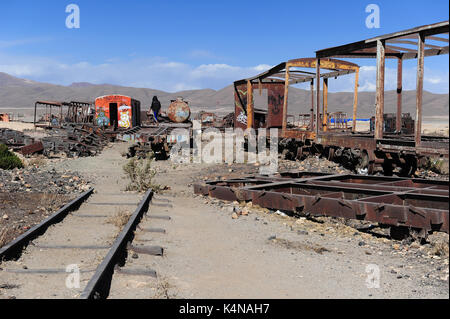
(118, 111)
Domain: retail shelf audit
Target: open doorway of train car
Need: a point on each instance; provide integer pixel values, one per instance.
(113, 114)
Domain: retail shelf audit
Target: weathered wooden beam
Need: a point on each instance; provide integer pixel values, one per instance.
(428, 52)
(380, 89)
(311, 124)
(398, 123)
(395, 41)
(317, 95)
(250, 111)
(400, 49)
(419, 88)
(285, 100)
(325, 104)
(355, 100)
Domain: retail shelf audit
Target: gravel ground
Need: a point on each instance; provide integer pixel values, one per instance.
(327, 256)
(216, 249)
(29, 195)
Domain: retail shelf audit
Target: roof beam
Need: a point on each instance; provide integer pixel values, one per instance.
(415, 43)
(400, 48)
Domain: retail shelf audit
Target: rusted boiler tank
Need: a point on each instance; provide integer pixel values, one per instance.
(179, 110)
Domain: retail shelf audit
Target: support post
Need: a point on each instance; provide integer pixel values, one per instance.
(311, 128)
(379, 121)
(317, 95)
(35, 106)
(398, 121)
(325, 104)
(355, 100)
(250, 110)
(285, 100)
(419, 88)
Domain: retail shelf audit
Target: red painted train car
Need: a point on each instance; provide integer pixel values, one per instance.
(118, 111)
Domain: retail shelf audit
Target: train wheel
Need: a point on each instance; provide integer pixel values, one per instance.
(387, 168)
(410, 167)
(330, 153)
(371, 168)
(299, 153)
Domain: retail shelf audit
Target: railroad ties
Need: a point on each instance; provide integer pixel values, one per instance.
(409, 206)
(82, 255)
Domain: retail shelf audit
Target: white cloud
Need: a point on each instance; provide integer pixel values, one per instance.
(163, 74)
(262, 67)
(434, 80)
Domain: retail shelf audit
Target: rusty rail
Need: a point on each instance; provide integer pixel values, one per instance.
(99, 285)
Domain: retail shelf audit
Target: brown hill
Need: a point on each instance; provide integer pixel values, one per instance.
(22, 93)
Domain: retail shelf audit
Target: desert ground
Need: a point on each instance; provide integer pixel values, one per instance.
(209, 253)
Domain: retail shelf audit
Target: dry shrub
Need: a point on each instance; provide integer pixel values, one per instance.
(120, 219)
(437, 165)
(5, 236)
(141, 174)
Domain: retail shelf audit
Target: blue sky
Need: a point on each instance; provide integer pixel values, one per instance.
(175, 45)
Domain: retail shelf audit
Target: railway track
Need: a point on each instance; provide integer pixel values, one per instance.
(77, 252)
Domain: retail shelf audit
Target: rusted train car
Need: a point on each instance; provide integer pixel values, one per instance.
(117, 111)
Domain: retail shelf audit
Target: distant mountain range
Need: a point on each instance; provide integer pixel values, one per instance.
(22, 93)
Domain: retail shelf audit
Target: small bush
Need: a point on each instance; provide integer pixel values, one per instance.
(437, 165)
(140, 173)
(3, 150)
(8, 160)
(120, 219)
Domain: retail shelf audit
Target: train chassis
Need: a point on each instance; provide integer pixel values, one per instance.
(355, 159)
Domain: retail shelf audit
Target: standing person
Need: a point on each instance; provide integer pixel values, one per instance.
(156, 106)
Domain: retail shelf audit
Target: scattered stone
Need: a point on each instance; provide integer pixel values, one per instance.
(234, 216)
(37, 179)
(244, 211)
(280, 213)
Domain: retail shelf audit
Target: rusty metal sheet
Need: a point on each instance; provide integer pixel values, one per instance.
(32, 148)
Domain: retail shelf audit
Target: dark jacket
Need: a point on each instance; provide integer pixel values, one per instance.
(156, 106)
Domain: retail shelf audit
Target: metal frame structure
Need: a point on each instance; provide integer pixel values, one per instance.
(395, 46)
(48, 111)
(375, 151)
(80, 112)
(277, 81)
(77, 112)
(407, 203)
